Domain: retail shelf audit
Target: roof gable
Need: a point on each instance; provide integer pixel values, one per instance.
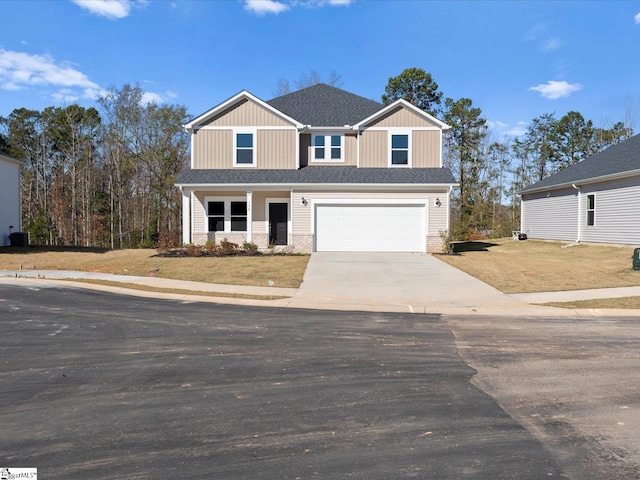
(325, 106)
(400, 104)
(617, 160)
(229, 104)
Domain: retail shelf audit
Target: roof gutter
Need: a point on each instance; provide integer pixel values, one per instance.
(603, 178)
(579, 212)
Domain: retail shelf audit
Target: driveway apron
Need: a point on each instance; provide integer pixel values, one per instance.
(413, 282)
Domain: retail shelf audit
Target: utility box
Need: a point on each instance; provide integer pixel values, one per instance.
(19, 239)
(636, 259)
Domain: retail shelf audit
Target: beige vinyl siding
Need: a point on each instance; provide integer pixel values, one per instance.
(350, 150)
(437, 215)
(373, 149)
(247, 113)
(425, 149)
(401, 117)
(212, 149)
(616, 214)
(276, 149)
(553, 217)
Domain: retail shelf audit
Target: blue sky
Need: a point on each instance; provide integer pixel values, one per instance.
(515, 59)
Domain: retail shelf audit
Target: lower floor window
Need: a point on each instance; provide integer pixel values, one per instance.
(227, 216)
(591, 210)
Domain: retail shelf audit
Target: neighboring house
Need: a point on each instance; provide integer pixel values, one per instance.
(596, 200)
(319, 169)
(10, 208)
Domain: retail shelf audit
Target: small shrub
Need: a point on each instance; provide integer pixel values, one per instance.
(210, 248)
(194, 250)
(250, 248)
(228, 248)
(445, 237)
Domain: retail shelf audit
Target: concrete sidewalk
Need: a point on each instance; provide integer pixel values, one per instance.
(381, 282)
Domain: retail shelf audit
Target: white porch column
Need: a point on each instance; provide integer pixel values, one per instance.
(249, 213)
(186, 217)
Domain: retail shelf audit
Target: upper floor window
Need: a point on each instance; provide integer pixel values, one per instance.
(591, 210)
(400, 149)
(327, 148)
(244, 146)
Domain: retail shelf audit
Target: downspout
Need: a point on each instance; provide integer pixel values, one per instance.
(579, 212)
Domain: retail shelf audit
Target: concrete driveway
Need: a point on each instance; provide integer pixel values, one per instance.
(396, 282)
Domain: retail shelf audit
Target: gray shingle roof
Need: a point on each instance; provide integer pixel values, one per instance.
(324, 105)
(318, 175)
(617, 159)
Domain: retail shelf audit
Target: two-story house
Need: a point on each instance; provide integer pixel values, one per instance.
(319, 169)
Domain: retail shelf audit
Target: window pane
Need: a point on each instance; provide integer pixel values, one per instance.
(238, 208)
(244, 140)
(318, 141)
(335, 140)
(319, 153)
(216, 224)
(591, 216)
(238, 224)
(335, 153)
(216, 208)
(591, 202)
(400, 157)
(399, 141)
(244, 156)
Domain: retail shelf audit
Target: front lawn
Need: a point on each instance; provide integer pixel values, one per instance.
(528, 266)
(284, 270)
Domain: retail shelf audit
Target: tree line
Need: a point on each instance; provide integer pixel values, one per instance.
(100, 177)
(104, 176)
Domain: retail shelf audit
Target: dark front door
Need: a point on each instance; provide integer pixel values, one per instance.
(278, 224)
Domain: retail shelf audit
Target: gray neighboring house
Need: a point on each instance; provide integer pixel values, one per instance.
(596, 200)
(319, 169)
(10, 207)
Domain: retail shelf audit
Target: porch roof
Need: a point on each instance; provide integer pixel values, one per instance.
(325, 175)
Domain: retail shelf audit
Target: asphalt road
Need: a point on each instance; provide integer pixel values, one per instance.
(97, 386)
(571, 381)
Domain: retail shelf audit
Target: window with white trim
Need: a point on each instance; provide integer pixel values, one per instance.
(399, 149)
(327, 148)
(244, 149)
(591, 210)
(226, 215)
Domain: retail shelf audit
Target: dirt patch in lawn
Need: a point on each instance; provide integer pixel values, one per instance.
(284, 270)
(536, 266)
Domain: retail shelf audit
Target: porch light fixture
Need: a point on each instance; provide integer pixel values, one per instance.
(438, 202)
(304, 201)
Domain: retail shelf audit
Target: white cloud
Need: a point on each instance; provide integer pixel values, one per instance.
(551, 44)
(151, 97)
(262, 7)
(554, 90)
(637, 18)
(502, 128)
(20, 70)
(113, 9)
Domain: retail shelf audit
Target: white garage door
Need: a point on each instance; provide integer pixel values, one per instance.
(370, 228)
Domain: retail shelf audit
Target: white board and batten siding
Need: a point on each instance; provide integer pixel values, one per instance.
(617, 212)
(9, 197)
(551, 215)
